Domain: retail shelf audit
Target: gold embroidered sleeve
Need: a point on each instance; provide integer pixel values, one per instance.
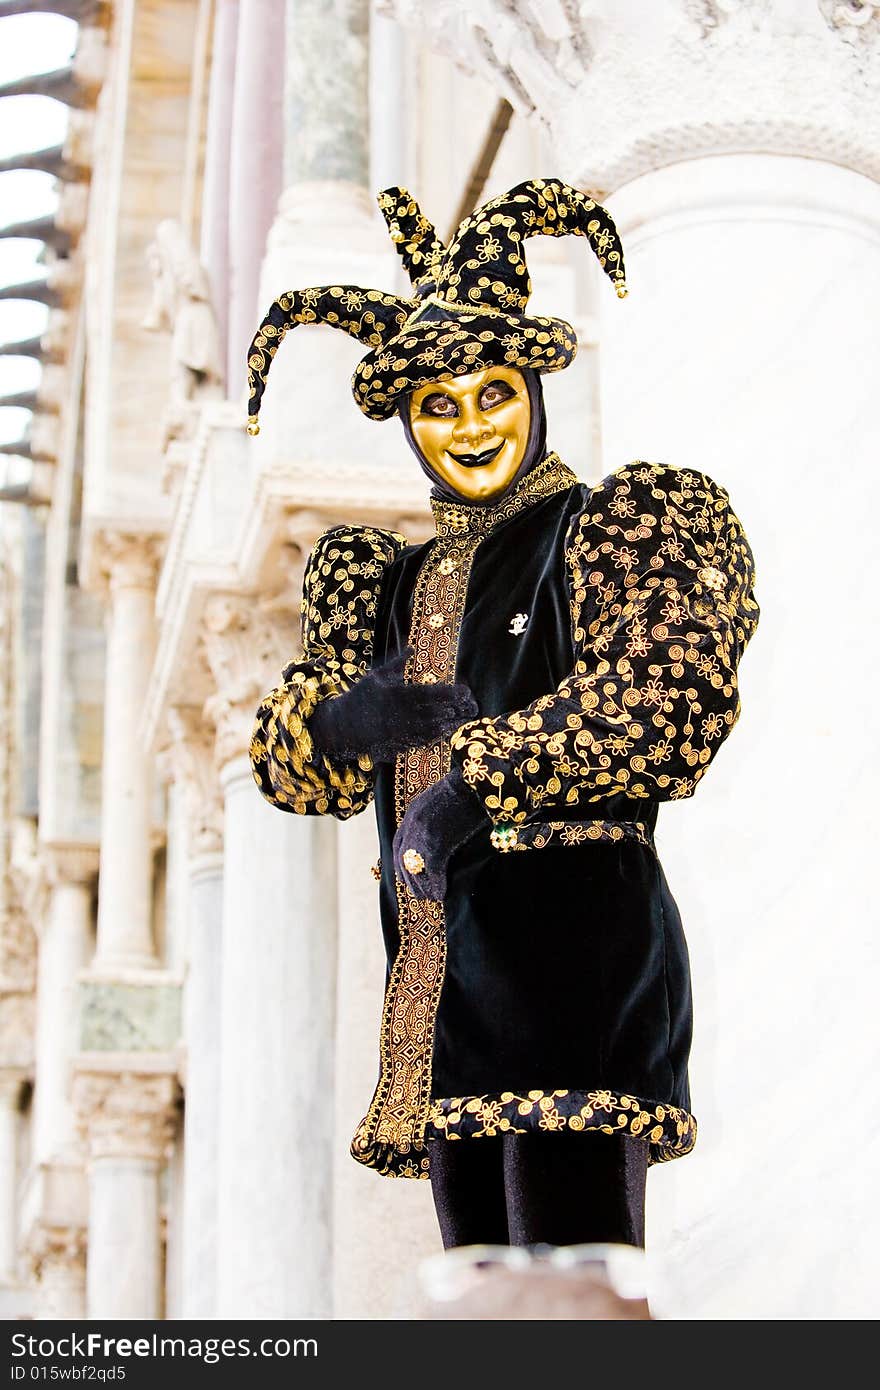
(661, 592)
(341, 587)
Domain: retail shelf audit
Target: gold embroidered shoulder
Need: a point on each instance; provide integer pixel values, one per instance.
(660, 578)
(340, 595)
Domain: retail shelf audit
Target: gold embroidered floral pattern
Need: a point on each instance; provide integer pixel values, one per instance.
(539, 834)
(391, 1135)
(668, 1131)
(340, 593)
(658, 637)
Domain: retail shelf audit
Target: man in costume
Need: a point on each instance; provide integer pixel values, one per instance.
(517, 695)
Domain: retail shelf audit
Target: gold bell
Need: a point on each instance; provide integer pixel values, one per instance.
(253, 425)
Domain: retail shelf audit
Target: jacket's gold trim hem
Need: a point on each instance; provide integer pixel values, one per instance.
(668, 1131)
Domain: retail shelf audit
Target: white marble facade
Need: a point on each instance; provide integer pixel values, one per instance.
(190, 981)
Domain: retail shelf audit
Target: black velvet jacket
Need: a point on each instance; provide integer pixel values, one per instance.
(600, 629)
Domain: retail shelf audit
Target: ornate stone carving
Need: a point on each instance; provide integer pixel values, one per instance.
(181, 305)
(57, 1257)
(127, 559)
(245, 649)
(863, 15)
(624, 88)
(126, 1114)
(188, 758)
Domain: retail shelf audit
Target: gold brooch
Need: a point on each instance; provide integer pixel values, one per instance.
(413, 861)
(504, 837)
(448, 565)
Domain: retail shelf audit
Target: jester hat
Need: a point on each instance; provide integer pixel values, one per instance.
(469, 307)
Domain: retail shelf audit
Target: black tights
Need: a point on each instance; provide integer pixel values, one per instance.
(530, 1189)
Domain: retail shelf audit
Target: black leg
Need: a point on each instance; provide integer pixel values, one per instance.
(575, 1189)
(467, 1183)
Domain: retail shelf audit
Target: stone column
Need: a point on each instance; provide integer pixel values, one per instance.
(191, 756)
(327, 229)
(327, 92)
(65, 948)
(255, 169)
(127, 1118)
(277, 1005)
(380, 1228)
(215, 197)
(11, 1081)
(124, 927)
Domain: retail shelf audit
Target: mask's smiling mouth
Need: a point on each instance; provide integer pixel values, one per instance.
(476, 460)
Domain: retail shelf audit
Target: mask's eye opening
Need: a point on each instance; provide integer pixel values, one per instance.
(437, 403)
(494, 393)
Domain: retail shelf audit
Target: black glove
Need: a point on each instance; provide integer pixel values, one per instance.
(435, 823)
(381, 715)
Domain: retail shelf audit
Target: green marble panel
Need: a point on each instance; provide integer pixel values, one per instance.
(129, 1018)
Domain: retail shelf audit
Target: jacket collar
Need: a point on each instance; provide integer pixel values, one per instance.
(471, 519)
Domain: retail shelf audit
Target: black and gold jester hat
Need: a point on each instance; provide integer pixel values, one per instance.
(469, 309)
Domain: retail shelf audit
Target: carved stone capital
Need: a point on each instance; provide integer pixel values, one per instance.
(245, 647)
(56, 1254)
(70, 862)
(188, 759)
(127, 559)
(126, 1114)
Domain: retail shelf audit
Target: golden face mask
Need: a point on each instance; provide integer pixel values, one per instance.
(473, 429)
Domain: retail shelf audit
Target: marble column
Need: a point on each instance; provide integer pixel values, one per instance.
(191, 753)
(327, 92)
(215, 198)
(381, 1229)
(255, 169)
(327, 231)
(277, 1006)
(127, 1118)
(124, 907)
(65, 948)
(769, 268)
(11, 1081)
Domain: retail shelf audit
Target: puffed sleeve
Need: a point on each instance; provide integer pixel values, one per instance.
(341, 587)
(660, 579)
